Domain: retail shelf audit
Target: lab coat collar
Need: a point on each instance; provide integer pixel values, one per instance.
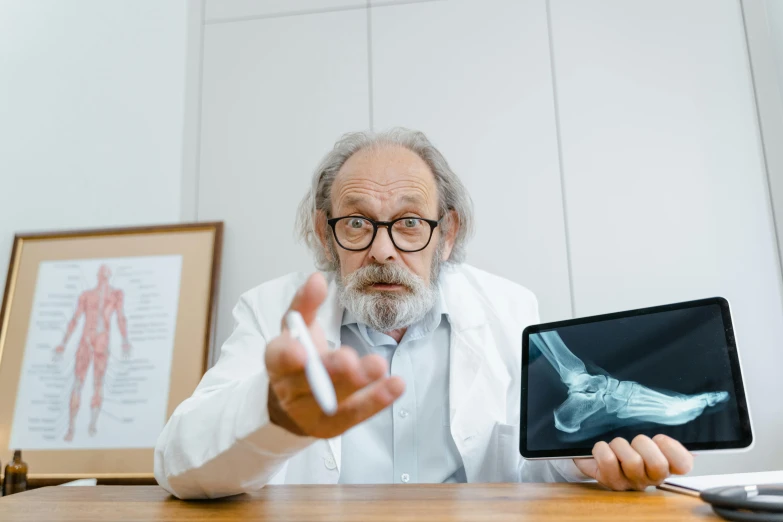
(330, 315)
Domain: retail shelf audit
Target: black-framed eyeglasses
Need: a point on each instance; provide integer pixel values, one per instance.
(408, 234)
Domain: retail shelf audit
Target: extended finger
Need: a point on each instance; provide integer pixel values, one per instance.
(374, 366)
(368, 401)
(680, 459)
(656, 467)
(631, 463)
(308, 298)
(284, 357)
(347, 371)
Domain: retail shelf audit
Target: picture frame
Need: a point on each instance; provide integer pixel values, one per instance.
(102, 334)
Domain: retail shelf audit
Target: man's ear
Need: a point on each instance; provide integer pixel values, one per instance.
(452, 228)
(323, 234)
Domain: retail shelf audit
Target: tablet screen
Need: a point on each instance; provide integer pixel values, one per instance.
(670, 369)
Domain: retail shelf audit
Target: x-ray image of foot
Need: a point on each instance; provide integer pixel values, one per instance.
(602, 399)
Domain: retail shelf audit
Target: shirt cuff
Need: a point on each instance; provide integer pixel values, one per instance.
(271, 439)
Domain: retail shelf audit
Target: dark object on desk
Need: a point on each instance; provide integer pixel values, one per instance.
(35, 483)
(747, 503)
(15, 480)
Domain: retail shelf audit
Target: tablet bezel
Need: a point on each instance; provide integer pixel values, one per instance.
(739, 389)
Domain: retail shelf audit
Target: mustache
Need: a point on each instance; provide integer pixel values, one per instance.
(386, 274)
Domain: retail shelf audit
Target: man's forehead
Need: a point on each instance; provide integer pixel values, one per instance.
(387, 173)
(369, 200)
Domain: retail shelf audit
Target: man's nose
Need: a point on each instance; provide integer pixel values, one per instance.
(382, 249)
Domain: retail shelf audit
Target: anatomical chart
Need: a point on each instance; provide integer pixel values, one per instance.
(97, 360)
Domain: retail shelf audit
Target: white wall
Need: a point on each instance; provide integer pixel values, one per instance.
(91, 114)
(764, 22)
(774, 11)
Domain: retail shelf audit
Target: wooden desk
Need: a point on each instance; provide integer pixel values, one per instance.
(469, 502)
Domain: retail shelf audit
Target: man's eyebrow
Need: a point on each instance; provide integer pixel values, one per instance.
(412, 199)
(353, 201)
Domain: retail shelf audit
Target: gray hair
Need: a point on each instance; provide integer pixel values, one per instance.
(451, 191)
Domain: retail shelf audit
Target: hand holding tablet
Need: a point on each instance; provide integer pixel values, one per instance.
(671, 370)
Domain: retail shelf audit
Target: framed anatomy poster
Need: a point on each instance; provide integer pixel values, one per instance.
(102, 334)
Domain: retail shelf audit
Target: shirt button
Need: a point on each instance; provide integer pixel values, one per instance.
(405, 477)
(330, 463)
(403, 413)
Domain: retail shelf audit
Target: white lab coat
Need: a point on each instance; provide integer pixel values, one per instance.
(220, 441)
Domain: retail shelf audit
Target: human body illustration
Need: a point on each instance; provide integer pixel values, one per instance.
(603, 399)
(97, 305)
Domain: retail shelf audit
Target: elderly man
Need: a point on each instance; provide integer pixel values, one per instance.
(423, 351)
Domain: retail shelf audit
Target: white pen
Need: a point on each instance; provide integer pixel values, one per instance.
(320, 382)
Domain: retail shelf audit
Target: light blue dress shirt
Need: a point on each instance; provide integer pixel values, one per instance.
(411, 440)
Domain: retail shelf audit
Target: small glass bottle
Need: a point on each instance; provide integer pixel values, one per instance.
(15, 480)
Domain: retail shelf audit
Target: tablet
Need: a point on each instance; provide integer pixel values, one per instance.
(670, 369)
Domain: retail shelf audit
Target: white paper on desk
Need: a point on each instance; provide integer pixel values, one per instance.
(732, 479)
(82, 482)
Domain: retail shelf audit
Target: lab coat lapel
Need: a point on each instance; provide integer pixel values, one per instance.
(477, 378)
(330, 315)
(465, 363)
(468, 328)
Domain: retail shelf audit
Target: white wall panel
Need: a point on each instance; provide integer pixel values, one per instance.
(277, 93)
(217, 10)
(665, 188)
(389, 2)
(764, 27)
(774, 12)
(91, 110)
(475, 77)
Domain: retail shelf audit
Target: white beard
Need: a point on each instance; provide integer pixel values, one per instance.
(387, 311)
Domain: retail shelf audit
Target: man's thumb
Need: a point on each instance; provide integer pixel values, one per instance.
(309, 297)
(587, 466)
